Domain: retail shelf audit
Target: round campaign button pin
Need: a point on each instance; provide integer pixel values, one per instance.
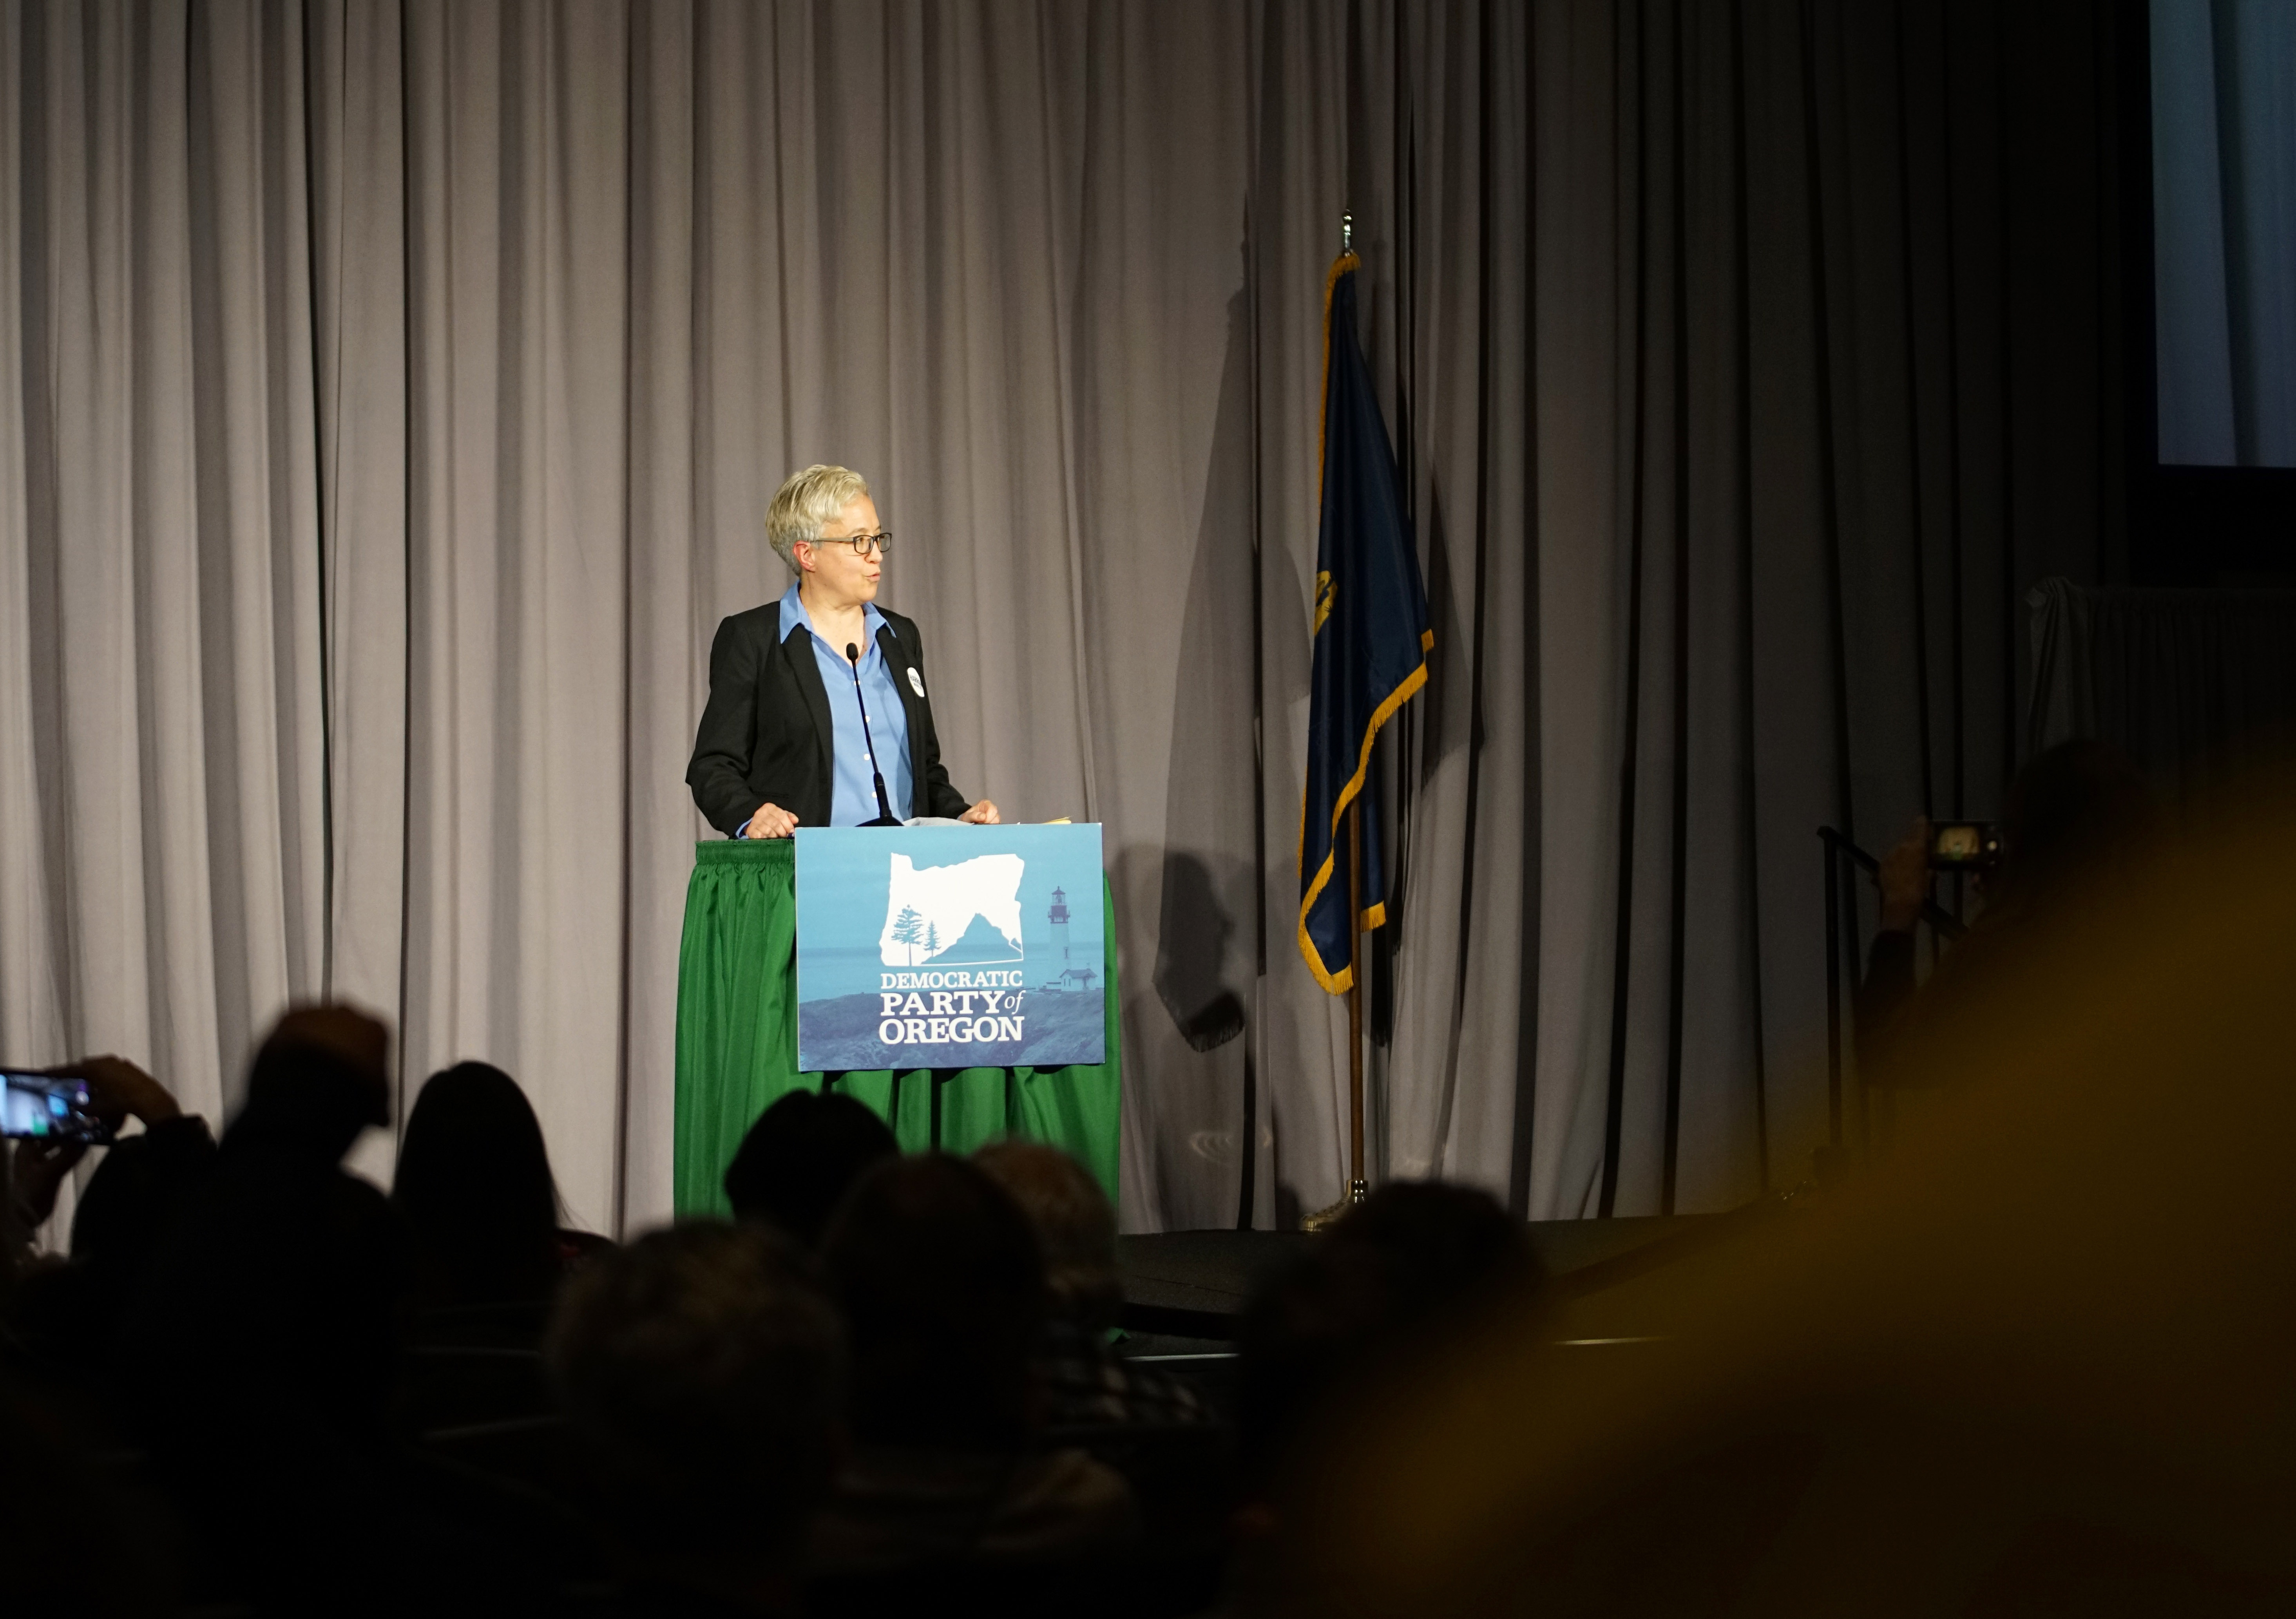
(916, 682)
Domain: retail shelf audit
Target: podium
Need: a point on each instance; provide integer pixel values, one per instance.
(737, 1043)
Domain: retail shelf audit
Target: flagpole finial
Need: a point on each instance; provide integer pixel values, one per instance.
(1346, 233)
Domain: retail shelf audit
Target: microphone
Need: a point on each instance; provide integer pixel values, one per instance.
(885, 816)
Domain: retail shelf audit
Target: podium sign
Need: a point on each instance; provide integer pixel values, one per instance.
(950, 947)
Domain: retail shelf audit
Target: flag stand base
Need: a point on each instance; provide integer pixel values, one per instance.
(1322, 1219)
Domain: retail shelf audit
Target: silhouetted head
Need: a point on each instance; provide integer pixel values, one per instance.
(943, 1291)
(277, 1291)
(800, 1157)
(319, 1079)
(2074, 813)
(1415, 1259)
(1075, 1226)
(474, 1188)
(705, 1373)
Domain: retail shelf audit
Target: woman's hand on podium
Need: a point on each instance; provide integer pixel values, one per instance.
(983, 813)
(771, 821)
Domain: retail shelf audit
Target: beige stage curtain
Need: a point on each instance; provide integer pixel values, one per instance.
(390, 394)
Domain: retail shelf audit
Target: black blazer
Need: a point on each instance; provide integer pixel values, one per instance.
(765, 736)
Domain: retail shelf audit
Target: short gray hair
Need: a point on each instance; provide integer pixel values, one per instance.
(806, 503)
(1074, 1223)
(706, 1368)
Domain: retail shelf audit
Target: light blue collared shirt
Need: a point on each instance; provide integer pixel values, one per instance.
(853, 797)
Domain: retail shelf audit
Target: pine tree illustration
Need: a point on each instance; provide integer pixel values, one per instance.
(907, 931)
(933, 941)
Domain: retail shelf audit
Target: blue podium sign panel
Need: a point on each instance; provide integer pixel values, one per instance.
(949, 947)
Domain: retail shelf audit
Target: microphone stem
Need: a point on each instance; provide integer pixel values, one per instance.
(884, 808)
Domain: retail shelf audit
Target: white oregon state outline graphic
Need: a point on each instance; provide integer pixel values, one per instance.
(928, 911)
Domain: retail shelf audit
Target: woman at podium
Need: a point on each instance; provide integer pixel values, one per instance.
(818, 711)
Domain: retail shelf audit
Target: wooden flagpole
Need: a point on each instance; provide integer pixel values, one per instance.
(1358, 1190)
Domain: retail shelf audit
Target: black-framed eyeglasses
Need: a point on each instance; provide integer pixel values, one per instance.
(865, 545)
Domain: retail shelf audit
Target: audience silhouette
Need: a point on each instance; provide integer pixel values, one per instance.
(275, 1300)
(895, 1384)
(943, 1291)
(1082, 1383)
(1414, 1262)
(65, 1317)
(801, 1157)
(703, 1370)
(474, 1192)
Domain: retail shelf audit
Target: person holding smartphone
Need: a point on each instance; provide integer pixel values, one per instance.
(64, 1314)
(116, 1091)
(2073, 814)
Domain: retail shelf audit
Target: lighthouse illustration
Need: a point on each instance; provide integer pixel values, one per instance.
(1070, 975)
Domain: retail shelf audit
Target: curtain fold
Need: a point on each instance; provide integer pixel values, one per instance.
(393, 390)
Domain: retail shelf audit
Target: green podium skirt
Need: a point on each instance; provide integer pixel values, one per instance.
(737, 1042)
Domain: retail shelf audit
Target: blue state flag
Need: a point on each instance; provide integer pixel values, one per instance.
(1371, 640)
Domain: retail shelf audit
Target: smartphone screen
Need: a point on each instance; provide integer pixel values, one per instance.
(37, 1106)
(1965, 843)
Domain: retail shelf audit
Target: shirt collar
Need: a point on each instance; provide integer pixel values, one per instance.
(793, 614)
